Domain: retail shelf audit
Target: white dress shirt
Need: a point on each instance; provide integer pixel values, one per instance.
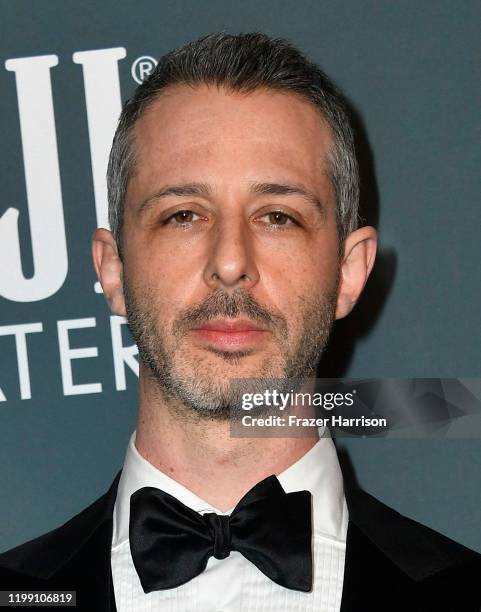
(234, 584)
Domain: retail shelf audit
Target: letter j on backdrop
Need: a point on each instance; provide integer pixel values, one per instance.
(41, 167)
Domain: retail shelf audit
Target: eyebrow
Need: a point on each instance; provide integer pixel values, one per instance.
(184, 190)
(204, 190)
(288, 189)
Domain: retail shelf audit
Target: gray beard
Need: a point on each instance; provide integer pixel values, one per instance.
(209, 397)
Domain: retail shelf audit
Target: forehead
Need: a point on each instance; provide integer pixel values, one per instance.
(189, 133)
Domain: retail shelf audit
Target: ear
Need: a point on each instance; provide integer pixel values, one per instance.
(108, 267)
(358, 260)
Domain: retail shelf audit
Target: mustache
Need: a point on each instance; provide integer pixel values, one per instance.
(224, 304)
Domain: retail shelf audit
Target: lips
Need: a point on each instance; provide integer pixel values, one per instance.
(230, 334)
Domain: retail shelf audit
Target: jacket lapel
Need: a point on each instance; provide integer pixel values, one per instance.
(89, 572)
(90, 566)
(371, 581)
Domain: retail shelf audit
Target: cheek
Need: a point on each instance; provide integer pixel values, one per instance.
(155, 282)
(321, 264)
(310, 269)
(174, 283)
(296, 286)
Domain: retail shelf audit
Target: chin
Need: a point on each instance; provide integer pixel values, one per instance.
(236, 364)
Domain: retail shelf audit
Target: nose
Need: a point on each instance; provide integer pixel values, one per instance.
(231, 260)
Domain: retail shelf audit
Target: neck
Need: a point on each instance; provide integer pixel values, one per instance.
(201, 455)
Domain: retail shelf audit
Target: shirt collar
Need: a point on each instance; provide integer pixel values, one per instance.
(317, 471)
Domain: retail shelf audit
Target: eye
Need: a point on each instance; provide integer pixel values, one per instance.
(277, 217)
(182, 217)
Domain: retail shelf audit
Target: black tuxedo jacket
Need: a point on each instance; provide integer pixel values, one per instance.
(392, 562)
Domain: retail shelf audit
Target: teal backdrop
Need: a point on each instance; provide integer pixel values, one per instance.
(67, 379)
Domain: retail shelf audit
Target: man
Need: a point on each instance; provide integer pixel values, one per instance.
(235, 244)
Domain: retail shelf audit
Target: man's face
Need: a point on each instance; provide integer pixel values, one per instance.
(230, 247)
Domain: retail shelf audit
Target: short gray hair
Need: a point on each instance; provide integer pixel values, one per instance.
(242, 63)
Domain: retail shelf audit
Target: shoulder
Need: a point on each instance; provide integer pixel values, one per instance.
(425, 550)
(408, 559)
(41, 557)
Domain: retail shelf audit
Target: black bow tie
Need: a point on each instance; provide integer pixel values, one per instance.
(171, 544)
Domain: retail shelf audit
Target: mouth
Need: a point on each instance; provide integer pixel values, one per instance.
(230, 334)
